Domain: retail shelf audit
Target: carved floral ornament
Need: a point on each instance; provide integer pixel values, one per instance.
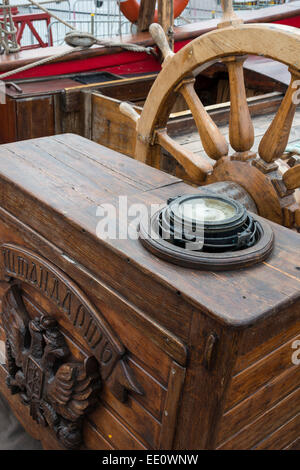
(58, 390)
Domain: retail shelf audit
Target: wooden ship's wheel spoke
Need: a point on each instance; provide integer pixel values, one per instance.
(292, 178)
(214, 143)
(196, 167)
(275, 140)
(241, 131)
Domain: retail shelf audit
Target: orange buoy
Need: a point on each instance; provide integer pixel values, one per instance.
(131, 9)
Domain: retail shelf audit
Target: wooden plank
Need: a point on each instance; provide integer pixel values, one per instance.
(121, 88)
(58, 126)
(134, 90)
(137, 418)
(155, 393)
(114, 431)
(282, 437)
(35, 117)
(87, 114)
(269, 421)
(197, 422)
(245, 360)
(115, 163)
(252, 407)
(154, 354)
(8, 128)
(250, 380)
(170, 413)
(111, 128)
(93, 439)
(294, 445)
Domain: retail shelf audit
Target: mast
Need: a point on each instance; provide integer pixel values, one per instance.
(165, 17)
(146, 15)
(229, 18)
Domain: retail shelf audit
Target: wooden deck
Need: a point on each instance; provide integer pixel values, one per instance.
(192, 141)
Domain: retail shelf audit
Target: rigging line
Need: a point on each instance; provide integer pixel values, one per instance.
(38, 5)
(40, 62)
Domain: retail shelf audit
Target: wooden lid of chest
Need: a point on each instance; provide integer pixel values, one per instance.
(54, 185)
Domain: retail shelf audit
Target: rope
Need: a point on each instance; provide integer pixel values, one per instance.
(78, 38)
(40, 62)
(8, 41)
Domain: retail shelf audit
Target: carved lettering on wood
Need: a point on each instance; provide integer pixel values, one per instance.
(26, 266)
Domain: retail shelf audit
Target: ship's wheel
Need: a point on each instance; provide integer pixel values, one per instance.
(232, 42)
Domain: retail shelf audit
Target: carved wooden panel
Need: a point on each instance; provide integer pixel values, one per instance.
(58, 390)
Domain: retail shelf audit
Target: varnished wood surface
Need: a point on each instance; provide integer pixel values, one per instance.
(70, 184)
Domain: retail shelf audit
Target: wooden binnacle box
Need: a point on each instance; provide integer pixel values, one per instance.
(109, 347)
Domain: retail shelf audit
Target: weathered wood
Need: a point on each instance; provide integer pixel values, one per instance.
(87, 114)
(111, 128)
(166, 19)
(35, 117)
(259, 373)
(163, 316)
(282, 437)
(265, 424)
(264, 399)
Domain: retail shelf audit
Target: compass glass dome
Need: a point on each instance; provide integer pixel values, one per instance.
(206, 209)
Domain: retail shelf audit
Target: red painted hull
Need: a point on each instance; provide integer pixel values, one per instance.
(124, 63)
